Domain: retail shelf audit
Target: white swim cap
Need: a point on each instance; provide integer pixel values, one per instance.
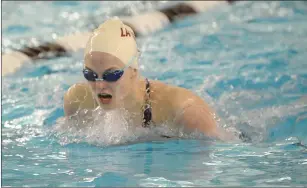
(115, 38)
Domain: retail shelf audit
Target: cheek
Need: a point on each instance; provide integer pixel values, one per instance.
(92, 84)
(119, 86)
(128, 80)
(123, 85)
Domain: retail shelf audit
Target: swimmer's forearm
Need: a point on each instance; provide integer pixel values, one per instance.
(200, 117)
(69, 106)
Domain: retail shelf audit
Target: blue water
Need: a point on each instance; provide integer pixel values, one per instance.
(248, 61)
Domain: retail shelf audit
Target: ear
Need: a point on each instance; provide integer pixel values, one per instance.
(134, 72)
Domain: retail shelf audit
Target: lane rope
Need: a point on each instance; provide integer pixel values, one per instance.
(143, 24)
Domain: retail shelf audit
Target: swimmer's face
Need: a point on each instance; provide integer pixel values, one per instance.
(109, 94)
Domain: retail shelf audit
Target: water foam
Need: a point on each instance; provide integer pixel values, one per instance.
(113, 127)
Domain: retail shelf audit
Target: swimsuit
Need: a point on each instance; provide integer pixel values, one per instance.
(147, 116)
(147, 107)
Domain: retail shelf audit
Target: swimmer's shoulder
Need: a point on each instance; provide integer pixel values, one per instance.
(78, 96)
(175, 93)
(177, 98)
(169, 100)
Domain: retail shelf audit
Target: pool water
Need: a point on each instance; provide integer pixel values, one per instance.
(245, 60)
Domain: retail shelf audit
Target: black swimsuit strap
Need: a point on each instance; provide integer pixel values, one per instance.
(147, 107)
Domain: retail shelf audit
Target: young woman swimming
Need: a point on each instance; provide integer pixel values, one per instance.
(113, 81)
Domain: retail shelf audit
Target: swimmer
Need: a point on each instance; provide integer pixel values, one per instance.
(113, 81)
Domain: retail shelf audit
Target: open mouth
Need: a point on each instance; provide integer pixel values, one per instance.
(104, 98)
(104, 95)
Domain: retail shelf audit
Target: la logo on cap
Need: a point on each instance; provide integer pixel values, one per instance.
(125, 33)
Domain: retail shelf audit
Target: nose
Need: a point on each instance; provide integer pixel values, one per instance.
(101, 84)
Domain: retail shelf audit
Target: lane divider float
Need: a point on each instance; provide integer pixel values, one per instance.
(143, 24)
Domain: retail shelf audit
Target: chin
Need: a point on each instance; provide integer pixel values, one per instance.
(109, 106)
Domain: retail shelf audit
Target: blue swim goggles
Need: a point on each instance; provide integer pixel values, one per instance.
(108, 75)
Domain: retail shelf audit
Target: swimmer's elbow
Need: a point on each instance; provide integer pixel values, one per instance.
(69, 107)
(200, 118)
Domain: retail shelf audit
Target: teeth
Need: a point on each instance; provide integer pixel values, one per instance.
(104, 95)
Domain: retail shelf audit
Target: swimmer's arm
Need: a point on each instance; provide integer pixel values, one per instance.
(70, 106)
(78, 97)
(196, 114)
(198, 117)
